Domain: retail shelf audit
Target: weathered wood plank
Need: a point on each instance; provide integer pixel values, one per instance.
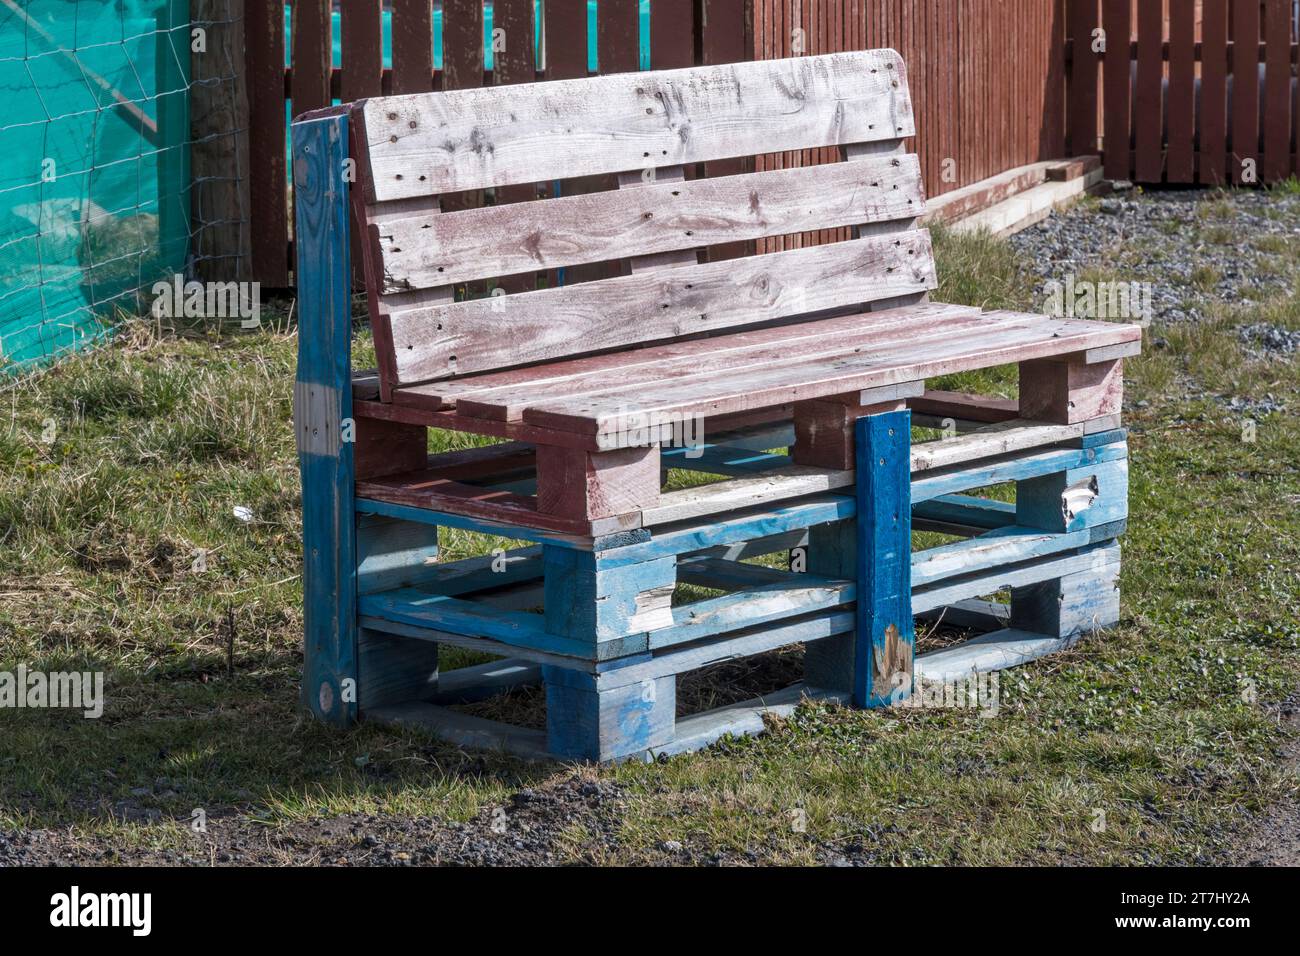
(504, 395)
(446, 339)
(616, 412)
(884, 637)
(322, 401)
(427, 144)
(421, 251)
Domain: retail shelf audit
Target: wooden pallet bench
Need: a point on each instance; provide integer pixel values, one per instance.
(665, 420)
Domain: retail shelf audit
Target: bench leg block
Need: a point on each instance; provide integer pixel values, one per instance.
(586, 723)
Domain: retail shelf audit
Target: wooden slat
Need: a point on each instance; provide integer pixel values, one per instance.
(462, 44)
(471, 139)
(363, 60)
(1245, 92)
(1146, 107)
(441, 340)
(672, 34)
(1277, 91)
(690, 361)
(1182, 98)
(412, 42)
(515, 63)
(310, 32)
(1083, 78)
(1006, 339)
(1214, 93)
(422, 251)
(268, 215)
(617, 36)
(509, 390)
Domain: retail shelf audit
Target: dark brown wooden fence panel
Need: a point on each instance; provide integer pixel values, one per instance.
(412, 42)
(1083, 20)
(1147, 113)
(1181, 110)
(1277, 91)
(1116, 21)
(309, 86)
(1214, 93)
(268, 186)
(1245, 90)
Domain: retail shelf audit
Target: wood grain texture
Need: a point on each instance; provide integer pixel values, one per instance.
(504, 395)
(323, 401)
(1068, 392)
(434, 143)
(442, 340)
(1002, 340)
(579, 484)
(424, 251)
(884, 636)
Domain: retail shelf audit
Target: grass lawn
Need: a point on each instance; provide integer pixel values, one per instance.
(121, 472)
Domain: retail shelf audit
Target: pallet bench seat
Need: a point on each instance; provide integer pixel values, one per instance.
(659, 421)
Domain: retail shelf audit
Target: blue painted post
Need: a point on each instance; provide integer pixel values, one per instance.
(322, 404)
(884, 636)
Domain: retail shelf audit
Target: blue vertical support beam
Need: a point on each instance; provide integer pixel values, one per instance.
(884, 636)
(322, 403)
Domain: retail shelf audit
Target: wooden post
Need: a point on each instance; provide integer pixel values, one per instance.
(884, 635)
(221, 243)
(322, 403)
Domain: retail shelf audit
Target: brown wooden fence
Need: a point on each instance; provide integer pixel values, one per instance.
(988, 76)
(682, 33)
(1186, 91)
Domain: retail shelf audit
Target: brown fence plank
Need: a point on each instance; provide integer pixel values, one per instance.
(462, 44)
(672, 34)
(1214, 92)
(412, 43)
(1277, 91)
(564, 34)
(1245, 92)
(515, 62)
(617, 36)
(309, 87)
(723, 40)
(1146, 107)
(363, 57)
(268, 215)
(362, 75)
(1182, 102)
(1116, 18)
(1083, 77)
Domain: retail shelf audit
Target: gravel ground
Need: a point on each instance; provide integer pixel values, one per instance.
(1193, 246)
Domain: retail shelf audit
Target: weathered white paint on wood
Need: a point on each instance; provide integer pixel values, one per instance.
(643, 219)
(439, 341)
(431, 143)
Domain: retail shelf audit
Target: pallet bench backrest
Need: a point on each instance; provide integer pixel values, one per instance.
(650, 136)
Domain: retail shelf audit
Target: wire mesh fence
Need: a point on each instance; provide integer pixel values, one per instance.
(94, 165)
